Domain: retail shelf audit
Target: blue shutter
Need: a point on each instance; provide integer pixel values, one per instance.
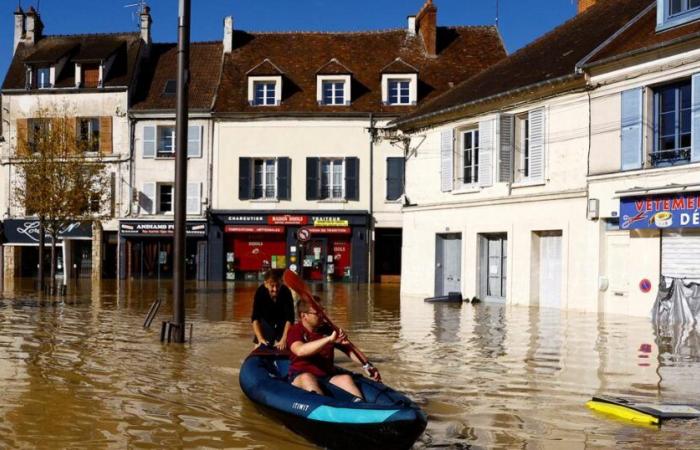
(486, 149)
(244, 179)
(284, 179)
(352, 178)
(536, 127)
(194, 141)
(695, 127)
(446, 162)
(149, 142)
(631, 129)
(312, 175)
(394, 178)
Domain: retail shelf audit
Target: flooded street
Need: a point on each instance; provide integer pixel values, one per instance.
(82, 372)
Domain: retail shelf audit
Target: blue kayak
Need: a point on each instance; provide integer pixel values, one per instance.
(386, 419)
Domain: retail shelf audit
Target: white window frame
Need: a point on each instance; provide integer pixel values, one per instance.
(253, 80)
(522, 148)
(264, 185)
(158, 208)
(333, 162)
(322, 79)
(162, 153)
(412, 79)
(664, 18)
(474, 182)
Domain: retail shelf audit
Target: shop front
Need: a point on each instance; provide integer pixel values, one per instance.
(146, 249)
(327, 247)
(675, 220)
(74, 249)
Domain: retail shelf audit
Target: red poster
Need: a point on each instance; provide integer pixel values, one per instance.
(340, 249)
(254, 252)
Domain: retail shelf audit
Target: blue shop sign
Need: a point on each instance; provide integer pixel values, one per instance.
(680, 210)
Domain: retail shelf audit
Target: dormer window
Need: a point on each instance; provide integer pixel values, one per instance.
(43, 77)
(90, 74)
(671, 13)
(399, 89)
(264, 91)
(333, 89)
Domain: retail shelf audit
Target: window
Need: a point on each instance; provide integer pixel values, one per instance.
(394, 178)
(89, 134)
(334, 92)
(682, 6)
(38, 132)
(91, 76)
(170, 88)
(522, 147)
(672, 124)
(166, 141)
(399, 92)
(43, 77)
(265, 179)
(470, 157)
(264, 93)
(332, 177)
(165, 198)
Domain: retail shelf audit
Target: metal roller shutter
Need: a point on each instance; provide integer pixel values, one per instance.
(680, 255)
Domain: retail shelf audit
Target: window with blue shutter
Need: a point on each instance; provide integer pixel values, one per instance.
(631, 129)
(394, 178)
(352, 179)
(672, 124)
(244, 179)
(312, 179)
(284, 178)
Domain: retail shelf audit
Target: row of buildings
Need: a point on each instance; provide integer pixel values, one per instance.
(566, 174)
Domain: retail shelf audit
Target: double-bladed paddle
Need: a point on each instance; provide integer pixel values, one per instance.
(295, 283)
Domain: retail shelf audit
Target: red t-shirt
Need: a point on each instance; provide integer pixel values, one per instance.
(319, 364)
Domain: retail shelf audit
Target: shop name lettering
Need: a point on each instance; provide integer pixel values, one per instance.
(245, 218)
(31, 230)
(667, 204)
(662, 212)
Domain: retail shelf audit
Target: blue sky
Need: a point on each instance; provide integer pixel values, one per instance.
(520, 20)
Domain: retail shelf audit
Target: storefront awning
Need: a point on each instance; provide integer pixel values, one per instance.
(667, 189)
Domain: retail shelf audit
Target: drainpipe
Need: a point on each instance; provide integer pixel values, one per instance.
(370, 228)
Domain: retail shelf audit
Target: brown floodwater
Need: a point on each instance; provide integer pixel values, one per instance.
(81, 372)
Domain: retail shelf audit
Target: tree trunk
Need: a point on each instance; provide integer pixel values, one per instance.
(53, 262)
(42, 253)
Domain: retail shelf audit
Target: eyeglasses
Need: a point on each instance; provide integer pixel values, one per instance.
(312, 312)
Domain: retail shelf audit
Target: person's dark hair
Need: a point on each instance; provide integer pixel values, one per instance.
(273, 275)
(303, 307)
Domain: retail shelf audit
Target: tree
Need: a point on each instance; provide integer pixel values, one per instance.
(61, 175)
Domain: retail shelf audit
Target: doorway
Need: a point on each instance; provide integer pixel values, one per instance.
(546, 268)
(448, 263)
(493, 263)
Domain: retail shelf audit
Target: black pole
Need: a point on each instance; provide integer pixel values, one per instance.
(42, 253)
(183, 67)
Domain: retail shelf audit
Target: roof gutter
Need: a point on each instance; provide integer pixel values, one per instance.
(510, 93)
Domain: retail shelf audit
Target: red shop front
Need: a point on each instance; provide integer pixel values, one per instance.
(253, 249)
(327, 254)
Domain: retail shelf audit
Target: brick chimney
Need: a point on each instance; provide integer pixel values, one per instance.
(585, 4)
(146, 21)
(33, 27)
(228, 34)
(19, 26)
(426, 24)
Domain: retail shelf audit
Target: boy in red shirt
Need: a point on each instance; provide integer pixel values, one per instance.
(312, 354)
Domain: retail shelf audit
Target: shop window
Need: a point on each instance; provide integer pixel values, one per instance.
(165, 198)
(89, 134)
(470, 157)
(672, 124)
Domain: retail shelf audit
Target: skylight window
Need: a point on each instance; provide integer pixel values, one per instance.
(170, 88)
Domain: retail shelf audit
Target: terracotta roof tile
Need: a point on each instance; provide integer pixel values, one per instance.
(552, 56)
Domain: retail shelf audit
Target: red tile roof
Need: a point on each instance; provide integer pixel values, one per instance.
(462, 53)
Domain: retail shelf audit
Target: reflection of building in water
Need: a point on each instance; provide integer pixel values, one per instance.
(446, 325)
(490, 330)
(679, 361)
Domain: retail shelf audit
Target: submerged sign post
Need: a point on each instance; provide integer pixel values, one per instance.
(681, 210)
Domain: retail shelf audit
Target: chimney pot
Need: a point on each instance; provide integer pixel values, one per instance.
(228, 34)
(583, 5)
(146, 22)
(412, 25)
(20, 23)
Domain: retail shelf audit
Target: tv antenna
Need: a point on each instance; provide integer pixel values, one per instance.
(497, 12)
(138, 8)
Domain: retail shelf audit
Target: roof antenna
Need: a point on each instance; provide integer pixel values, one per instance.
(497, 13)
(135, 13)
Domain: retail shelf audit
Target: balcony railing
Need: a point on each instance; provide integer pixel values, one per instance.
(670, 157)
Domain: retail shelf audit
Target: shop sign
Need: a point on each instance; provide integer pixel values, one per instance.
(331, 222)
(330, 230)
(27, 231)
(680, 210)
(160, 229)
(287, 219)
(252, 229)
(245, 219)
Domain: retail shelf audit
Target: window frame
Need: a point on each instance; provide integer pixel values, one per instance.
(38, 82)
(159, 198)
(665, 19)
(32, 125)
(254, 81)
(263, 194)
(682, 154)
(93, 142)
(411, 78)
(160, 153)
(321, 81)
(522, 148)
(331, 188)
(474, 150)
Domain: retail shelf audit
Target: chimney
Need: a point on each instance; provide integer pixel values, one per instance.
(146, 22)
(19, 26)
(228, 34)
(426, 22)
(585, 4)
(411, 25)
(33, 27)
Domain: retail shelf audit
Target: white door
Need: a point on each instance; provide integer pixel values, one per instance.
(448, 263)
(550, 270)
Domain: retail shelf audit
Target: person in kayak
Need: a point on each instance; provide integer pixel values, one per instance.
(312, 354)
(273, 311)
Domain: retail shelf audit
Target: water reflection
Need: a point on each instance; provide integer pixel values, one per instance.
(83, 372)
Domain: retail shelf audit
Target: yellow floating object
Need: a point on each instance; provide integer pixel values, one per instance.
(623, 412)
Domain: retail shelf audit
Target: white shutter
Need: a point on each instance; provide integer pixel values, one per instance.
(680, 256)
(147, 198)
(631, 128)
(446, 160)
(536, 125)
(486, 150)
(194, 141)
(695, 120)
(505, 160)
(194, 195)
(149, 142)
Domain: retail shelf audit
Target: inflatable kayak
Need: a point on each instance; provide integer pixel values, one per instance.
(386, 419)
